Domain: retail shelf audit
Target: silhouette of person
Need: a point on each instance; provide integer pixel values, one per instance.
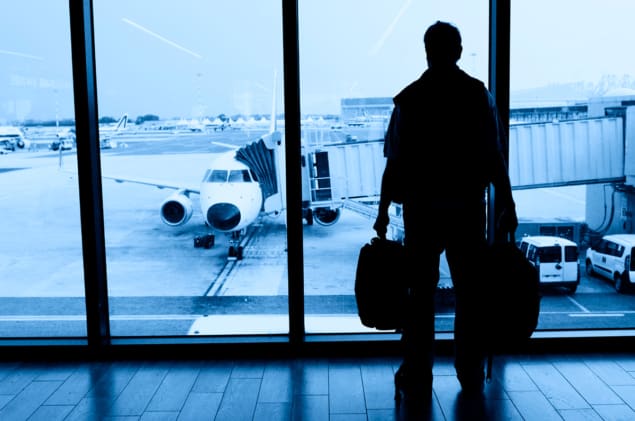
(443, 148)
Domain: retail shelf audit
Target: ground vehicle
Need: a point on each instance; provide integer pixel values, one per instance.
(63, 143)
(611, 258)
(11, 138)
(556, 259)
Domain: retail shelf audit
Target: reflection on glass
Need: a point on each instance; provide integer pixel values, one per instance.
(570, 146)
(41, 268)
(205, 252)
(349, 74)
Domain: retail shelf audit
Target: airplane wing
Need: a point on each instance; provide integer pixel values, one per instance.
(158, 184)
(225, 145)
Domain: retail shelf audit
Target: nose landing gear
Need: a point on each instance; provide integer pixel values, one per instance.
(235, 249)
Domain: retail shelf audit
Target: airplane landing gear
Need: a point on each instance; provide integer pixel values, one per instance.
(235, 253)
(235, 249)
(307, 214)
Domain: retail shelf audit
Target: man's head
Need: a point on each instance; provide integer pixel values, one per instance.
(443, 44)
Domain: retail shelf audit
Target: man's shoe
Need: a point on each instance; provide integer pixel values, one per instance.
(472, 381)
(411, 384)
(472, 387)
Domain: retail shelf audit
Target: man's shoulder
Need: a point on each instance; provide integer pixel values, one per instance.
(458, 77)
(475, 83)
(411, 90)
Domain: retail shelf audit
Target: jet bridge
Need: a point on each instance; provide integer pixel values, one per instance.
(340, 174)
(590, 151)
(561, 153)
(342, 171)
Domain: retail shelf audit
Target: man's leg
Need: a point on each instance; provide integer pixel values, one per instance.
(468, 323)
(418, 333)
(465, 251)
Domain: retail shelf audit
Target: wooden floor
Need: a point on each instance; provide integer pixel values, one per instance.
(549, 387)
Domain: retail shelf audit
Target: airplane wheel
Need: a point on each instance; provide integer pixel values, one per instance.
(309, 216)
(239, 253)
(232, 252)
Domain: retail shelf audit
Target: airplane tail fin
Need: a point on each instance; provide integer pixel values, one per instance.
(121, 124)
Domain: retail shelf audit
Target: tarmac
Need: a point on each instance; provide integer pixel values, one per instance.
(158, 282)
(147, 260)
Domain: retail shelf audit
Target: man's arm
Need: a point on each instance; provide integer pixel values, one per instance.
(385, 198)
(505, 208)
(389, 179)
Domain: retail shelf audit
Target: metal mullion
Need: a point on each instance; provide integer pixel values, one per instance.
(89, 173)
(293, 170)
(499, 56)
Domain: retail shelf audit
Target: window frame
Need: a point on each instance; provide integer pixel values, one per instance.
(99, 340)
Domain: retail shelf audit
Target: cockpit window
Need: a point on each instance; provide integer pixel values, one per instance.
(217, 176)
(239, 176)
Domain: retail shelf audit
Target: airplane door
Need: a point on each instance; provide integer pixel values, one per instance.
(320, 177)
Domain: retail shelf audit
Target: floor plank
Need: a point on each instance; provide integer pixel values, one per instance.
(523, 387)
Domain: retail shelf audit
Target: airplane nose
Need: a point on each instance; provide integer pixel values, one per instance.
(223, 216)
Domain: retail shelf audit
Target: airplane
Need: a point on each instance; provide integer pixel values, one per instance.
(107, 133)
(239, 187)
(217, 124)
(66, 139)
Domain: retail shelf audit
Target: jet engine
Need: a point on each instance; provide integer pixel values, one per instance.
(176, 209)
(326, 216)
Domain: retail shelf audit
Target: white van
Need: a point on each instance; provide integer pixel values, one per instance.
(556, 259)
(611, 258)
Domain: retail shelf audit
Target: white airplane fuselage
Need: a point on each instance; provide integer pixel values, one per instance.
(230, 198)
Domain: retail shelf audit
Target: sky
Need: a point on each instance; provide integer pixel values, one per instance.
(194, 58)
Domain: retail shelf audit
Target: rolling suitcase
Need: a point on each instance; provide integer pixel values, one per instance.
(512, 300)
(381, 290)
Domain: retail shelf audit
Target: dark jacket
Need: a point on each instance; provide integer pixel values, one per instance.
(444, 141)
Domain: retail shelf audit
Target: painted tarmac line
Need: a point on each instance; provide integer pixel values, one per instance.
(577, 304)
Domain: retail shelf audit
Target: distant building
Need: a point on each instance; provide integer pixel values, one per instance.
(548, 114)
(356, 109)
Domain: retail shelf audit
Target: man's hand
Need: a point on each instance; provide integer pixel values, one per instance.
(381, 225)
(506, 223)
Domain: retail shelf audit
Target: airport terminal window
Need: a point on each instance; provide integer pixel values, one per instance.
(349, 74)
(183, 98)
(41, 267)
(572, 173)
(196, 81)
